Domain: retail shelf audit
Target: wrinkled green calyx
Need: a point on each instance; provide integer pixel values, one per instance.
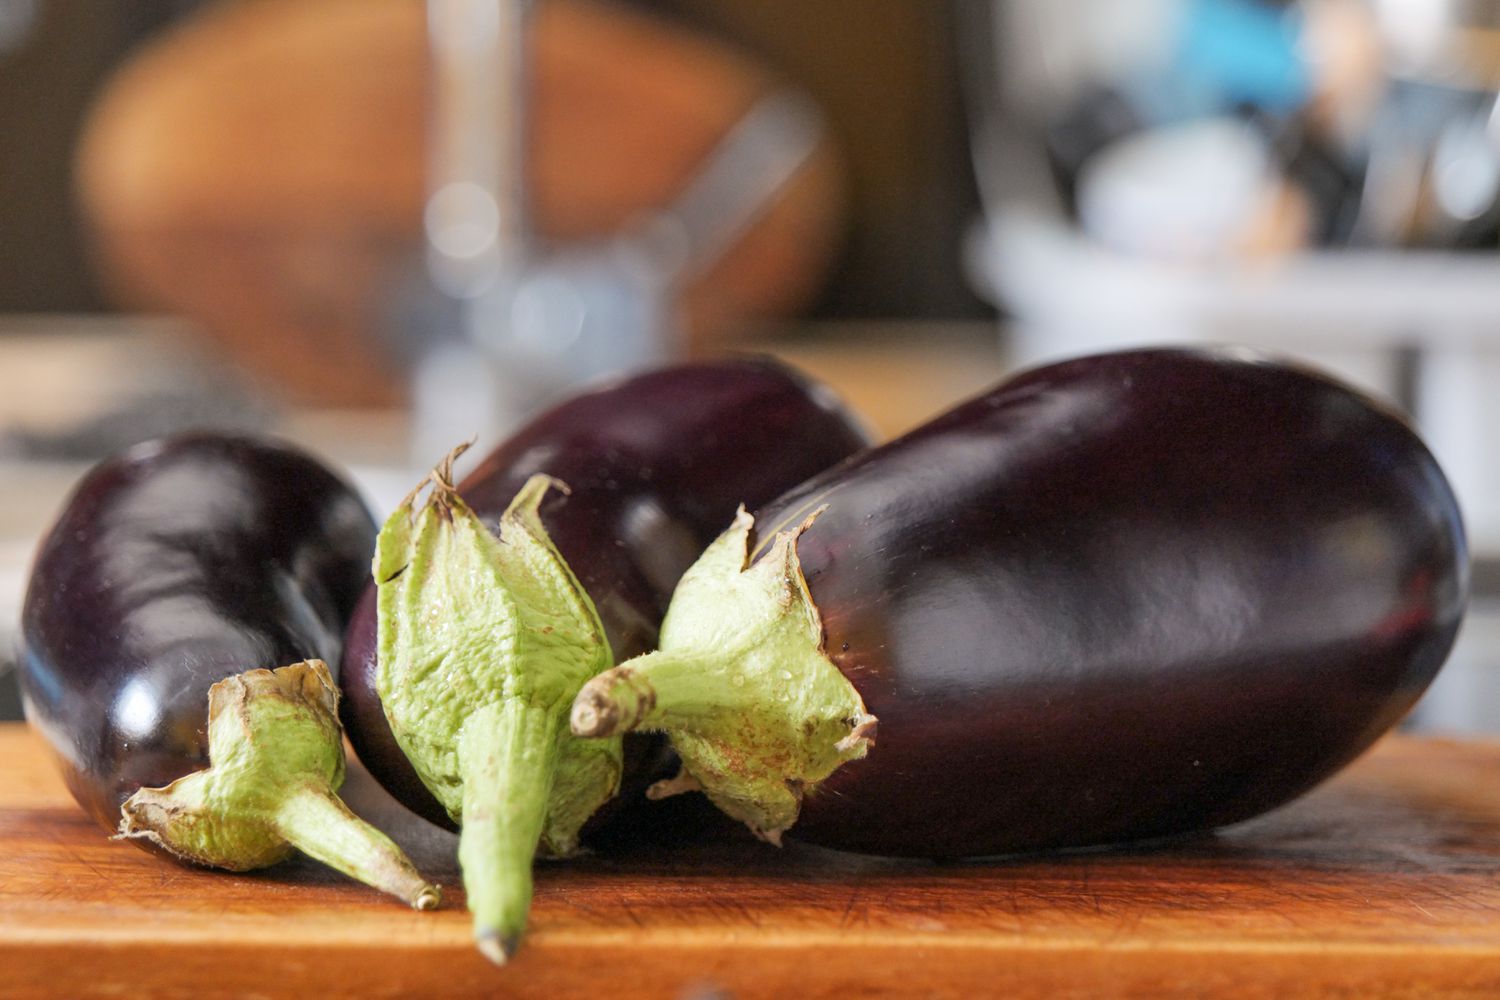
(753, 706)
(277, 756)
(484, 639)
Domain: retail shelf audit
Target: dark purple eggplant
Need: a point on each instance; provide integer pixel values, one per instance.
(177, 575)
(1117, 598)
(654, 465)
(497, 600)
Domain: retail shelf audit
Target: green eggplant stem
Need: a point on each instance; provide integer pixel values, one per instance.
(484, 639)
(277, 762)
(757, 712)
(508, 758)
(321, 826)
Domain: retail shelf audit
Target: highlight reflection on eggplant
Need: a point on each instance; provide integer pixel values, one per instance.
(185, 568)
(1115, 598)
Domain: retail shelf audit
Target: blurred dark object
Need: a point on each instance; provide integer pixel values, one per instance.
(1332, 179)
(10, 694)
(75, 389)
(53, 55)
(1095, 121)
(226, 406)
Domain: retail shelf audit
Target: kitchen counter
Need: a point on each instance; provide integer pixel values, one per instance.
(1384, 882)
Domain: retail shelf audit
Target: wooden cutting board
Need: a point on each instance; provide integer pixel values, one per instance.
(1384, 883)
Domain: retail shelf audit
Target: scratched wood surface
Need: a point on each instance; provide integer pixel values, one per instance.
(1385, 882)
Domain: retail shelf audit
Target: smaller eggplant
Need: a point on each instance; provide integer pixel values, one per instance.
(176, 575)
(654, 464)
(1118, 598)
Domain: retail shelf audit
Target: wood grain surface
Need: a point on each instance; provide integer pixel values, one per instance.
(1385, 882)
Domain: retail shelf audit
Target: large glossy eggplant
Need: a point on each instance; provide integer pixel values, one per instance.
(175, 577)
(1116, 598)
(649, 469)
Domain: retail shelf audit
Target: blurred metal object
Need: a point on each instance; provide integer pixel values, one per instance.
(758, 157)
(1432, 176)
(1465, 177)
(1433, 146)
(530, 323)
(265, 169)
(475, 220)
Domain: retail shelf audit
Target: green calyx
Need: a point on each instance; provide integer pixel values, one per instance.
(753, 706)
(484, 639)
(277, 756)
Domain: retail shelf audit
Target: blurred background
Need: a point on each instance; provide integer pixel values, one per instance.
(382, 226)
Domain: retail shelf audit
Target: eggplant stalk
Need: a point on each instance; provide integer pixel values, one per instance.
(483, 643)
(507, 759)
(278, 761)
(753, 706)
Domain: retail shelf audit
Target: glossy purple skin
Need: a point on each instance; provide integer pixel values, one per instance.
(656, 466)
(177, 564)
(1123, 597)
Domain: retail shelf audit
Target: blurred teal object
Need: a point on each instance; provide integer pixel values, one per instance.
(1224, 56)
(1243, 52)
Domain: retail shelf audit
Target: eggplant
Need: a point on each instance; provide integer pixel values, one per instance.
(1118, 598)
(177, 575)
(650, 467)
(654, 465)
